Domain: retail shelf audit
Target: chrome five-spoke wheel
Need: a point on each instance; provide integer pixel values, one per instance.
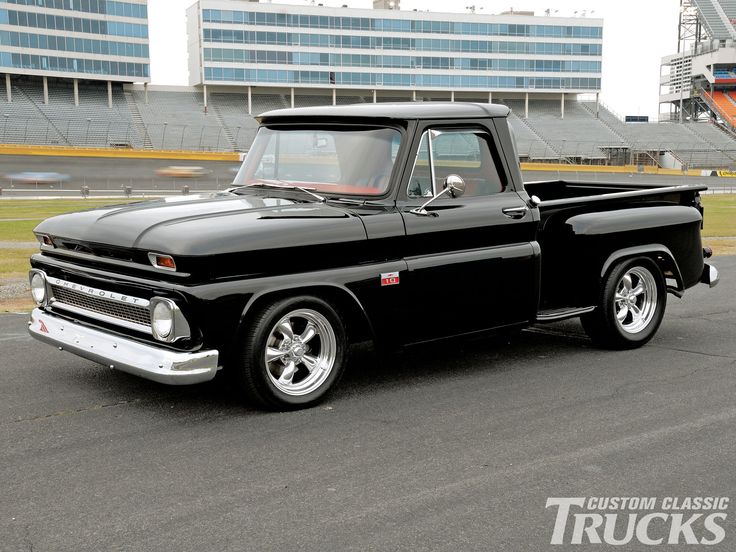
(293, 352)
(635, 300)
(631, 304)
(300, 352)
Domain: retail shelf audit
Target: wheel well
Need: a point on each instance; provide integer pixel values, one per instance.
(356, 321)
(658, 254)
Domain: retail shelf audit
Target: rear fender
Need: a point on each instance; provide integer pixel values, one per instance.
(660, 254)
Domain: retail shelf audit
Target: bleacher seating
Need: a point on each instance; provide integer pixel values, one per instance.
(176, 119)
(577, 136)
(267, 102)
(233, 112)
(311, 100)
(529, 145)
(715, 19)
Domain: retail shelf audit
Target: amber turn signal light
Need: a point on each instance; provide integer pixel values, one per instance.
(45, 240)
(162, 261)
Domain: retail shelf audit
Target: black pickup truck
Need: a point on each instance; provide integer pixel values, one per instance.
(399, 223)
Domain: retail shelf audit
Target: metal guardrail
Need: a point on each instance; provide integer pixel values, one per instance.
(147, 188)
(119, 186)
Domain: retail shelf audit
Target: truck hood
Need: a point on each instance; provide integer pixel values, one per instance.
(209, 224)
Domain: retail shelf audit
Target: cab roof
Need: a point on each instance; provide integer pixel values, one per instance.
(403, 110)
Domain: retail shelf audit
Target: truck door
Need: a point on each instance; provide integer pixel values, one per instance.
(474, 263)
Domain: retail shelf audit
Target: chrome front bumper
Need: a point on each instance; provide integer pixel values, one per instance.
(710, 275)
(127, 355)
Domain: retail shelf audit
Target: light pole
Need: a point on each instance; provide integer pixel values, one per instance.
(5, 126)
(163, 137)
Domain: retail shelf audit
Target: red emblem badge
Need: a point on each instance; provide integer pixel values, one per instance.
(389, 279)
(42, 327)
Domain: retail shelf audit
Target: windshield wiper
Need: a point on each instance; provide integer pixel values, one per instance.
(283, 187)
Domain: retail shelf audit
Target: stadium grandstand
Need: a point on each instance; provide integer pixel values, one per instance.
(246, 58)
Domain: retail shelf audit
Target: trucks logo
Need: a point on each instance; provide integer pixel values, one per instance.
(42, 327)
(648, 520)
(389, 279)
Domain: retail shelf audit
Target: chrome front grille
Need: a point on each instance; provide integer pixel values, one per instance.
(115, 308)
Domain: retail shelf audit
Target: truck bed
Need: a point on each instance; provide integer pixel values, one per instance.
(582, 223)
(560, 194)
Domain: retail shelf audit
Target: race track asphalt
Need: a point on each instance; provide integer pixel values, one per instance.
(455, 446)
(109, 177)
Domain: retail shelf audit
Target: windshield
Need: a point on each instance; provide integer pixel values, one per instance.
(352, 161)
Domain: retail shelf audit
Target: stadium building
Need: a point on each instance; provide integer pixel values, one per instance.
(65, 63)
(346, 52)
(76, 73)
(104, 40)
(699, 81)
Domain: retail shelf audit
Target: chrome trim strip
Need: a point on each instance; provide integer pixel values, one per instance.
(127, 355)
(107, 260)
(55, 304)
(563, 314)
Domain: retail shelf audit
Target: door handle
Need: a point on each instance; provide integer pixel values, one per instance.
(516, 212)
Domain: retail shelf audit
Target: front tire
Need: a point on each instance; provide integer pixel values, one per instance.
(293, 353)
(630, 307)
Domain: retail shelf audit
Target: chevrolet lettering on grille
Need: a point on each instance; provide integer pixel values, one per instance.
(100, 293)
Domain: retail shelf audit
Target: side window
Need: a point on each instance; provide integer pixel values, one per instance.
(420, 183)
(267, 167)
(466, 153)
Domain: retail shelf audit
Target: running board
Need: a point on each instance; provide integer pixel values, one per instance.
(553, 315)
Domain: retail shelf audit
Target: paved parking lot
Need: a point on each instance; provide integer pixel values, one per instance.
(451, 447)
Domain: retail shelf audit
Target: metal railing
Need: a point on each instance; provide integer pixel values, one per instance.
(650, 153)
(112, 134)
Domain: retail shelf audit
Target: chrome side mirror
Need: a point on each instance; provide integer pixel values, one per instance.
(454, 186)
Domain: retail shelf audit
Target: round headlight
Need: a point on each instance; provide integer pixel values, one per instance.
(162, 320)
(38, 288)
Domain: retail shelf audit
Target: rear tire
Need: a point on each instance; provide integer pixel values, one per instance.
(293, 352)
(631, 305)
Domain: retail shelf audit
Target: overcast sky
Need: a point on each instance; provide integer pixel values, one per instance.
(636, 34)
